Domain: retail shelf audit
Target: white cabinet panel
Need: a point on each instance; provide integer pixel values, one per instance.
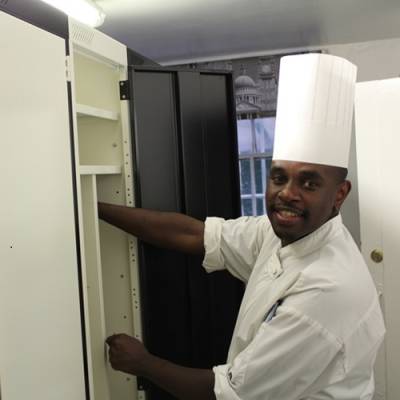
(378, 143)
(103, 160)
(40, 330)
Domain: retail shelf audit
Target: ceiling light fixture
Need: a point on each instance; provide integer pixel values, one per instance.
(85, 11)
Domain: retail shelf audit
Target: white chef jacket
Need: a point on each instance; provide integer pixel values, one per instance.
(322, 341)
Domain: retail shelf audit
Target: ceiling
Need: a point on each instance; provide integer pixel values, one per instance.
(180, 31)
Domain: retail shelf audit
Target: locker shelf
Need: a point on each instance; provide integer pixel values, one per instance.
(88, 111)
(100, 169)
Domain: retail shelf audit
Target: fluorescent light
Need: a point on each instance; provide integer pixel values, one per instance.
(85, 11)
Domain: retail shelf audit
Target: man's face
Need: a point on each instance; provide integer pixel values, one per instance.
(301, 197)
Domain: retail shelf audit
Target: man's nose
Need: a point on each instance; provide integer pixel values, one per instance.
(290, 192)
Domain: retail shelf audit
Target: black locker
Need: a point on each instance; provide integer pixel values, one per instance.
(185, 148)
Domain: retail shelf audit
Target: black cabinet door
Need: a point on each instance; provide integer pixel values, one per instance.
(186, 161)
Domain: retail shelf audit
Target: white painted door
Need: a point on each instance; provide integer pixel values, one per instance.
(40, 328)
(378, 143)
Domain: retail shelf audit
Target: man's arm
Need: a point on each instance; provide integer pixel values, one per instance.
(129, 355)
(163, 229)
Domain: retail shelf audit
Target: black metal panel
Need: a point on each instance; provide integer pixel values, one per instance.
(223, 197)
(212, 319)
(192, 139)
(39, 14)
(156, 139)
(163, 273)
(194, 187)
(172, 113)
(167, 316)
(135, 58)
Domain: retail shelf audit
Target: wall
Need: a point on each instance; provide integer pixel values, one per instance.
(375, 60)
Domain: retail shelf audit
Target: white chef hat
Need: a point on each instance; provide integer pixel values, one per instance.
(315, 109)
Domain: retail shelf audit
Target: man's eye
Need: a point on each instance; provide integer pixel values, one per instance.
(277, 179)
(310, 185)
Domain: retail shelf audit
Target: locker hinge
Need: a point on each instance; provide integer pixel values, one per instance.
(68, 69)
(142, 384)
(124, 90)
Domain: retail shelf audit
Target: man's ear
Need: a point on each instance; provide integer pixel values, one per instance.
(342, 192)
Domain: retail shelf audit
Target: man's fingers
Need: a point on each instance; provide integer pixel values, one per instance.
(110, 339)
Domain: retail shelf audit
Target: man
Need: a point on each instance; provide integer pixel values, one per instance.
(310, 324)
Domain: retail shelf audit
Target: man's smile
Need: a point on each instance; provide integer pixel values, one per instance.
(287, 215)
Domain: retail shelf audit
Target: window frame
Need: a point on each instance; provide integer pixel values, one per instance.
(252, 157)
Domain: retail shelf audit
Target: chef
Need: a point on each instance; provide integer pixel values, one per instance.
(310, 324)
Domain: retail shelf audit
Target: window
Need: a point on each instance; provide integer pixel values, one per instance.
(256, 140)
(256, 85)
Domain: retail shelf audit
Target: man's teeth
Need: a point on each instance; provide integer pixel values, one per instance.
(286, 213)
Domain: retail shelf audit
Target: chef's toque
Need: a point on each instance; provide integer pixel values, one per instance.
(315, 109)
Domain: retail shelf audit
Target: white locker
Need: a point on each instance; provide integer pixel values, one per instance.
(44, 256)
(377, 124)
(40, 333)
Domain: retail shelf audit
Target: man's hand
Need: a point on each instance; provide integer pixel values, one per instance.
(127, 354)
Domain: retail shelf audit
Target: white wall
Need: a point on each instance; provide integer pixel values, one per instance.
(375, 60)
(378, 59)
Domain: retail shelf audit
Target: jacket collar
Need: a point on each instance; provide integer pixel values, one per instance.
(313, 241)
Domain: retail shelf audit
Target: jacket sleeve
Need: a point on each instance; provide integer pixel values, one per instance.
(235, 244)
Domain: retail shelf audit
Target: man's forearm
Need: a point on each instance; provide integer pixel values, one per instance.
(182, 382)
(164, 229)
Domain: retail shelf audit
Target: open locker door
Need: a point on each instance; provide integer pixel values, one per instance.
(40, 331)
(186, 158)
